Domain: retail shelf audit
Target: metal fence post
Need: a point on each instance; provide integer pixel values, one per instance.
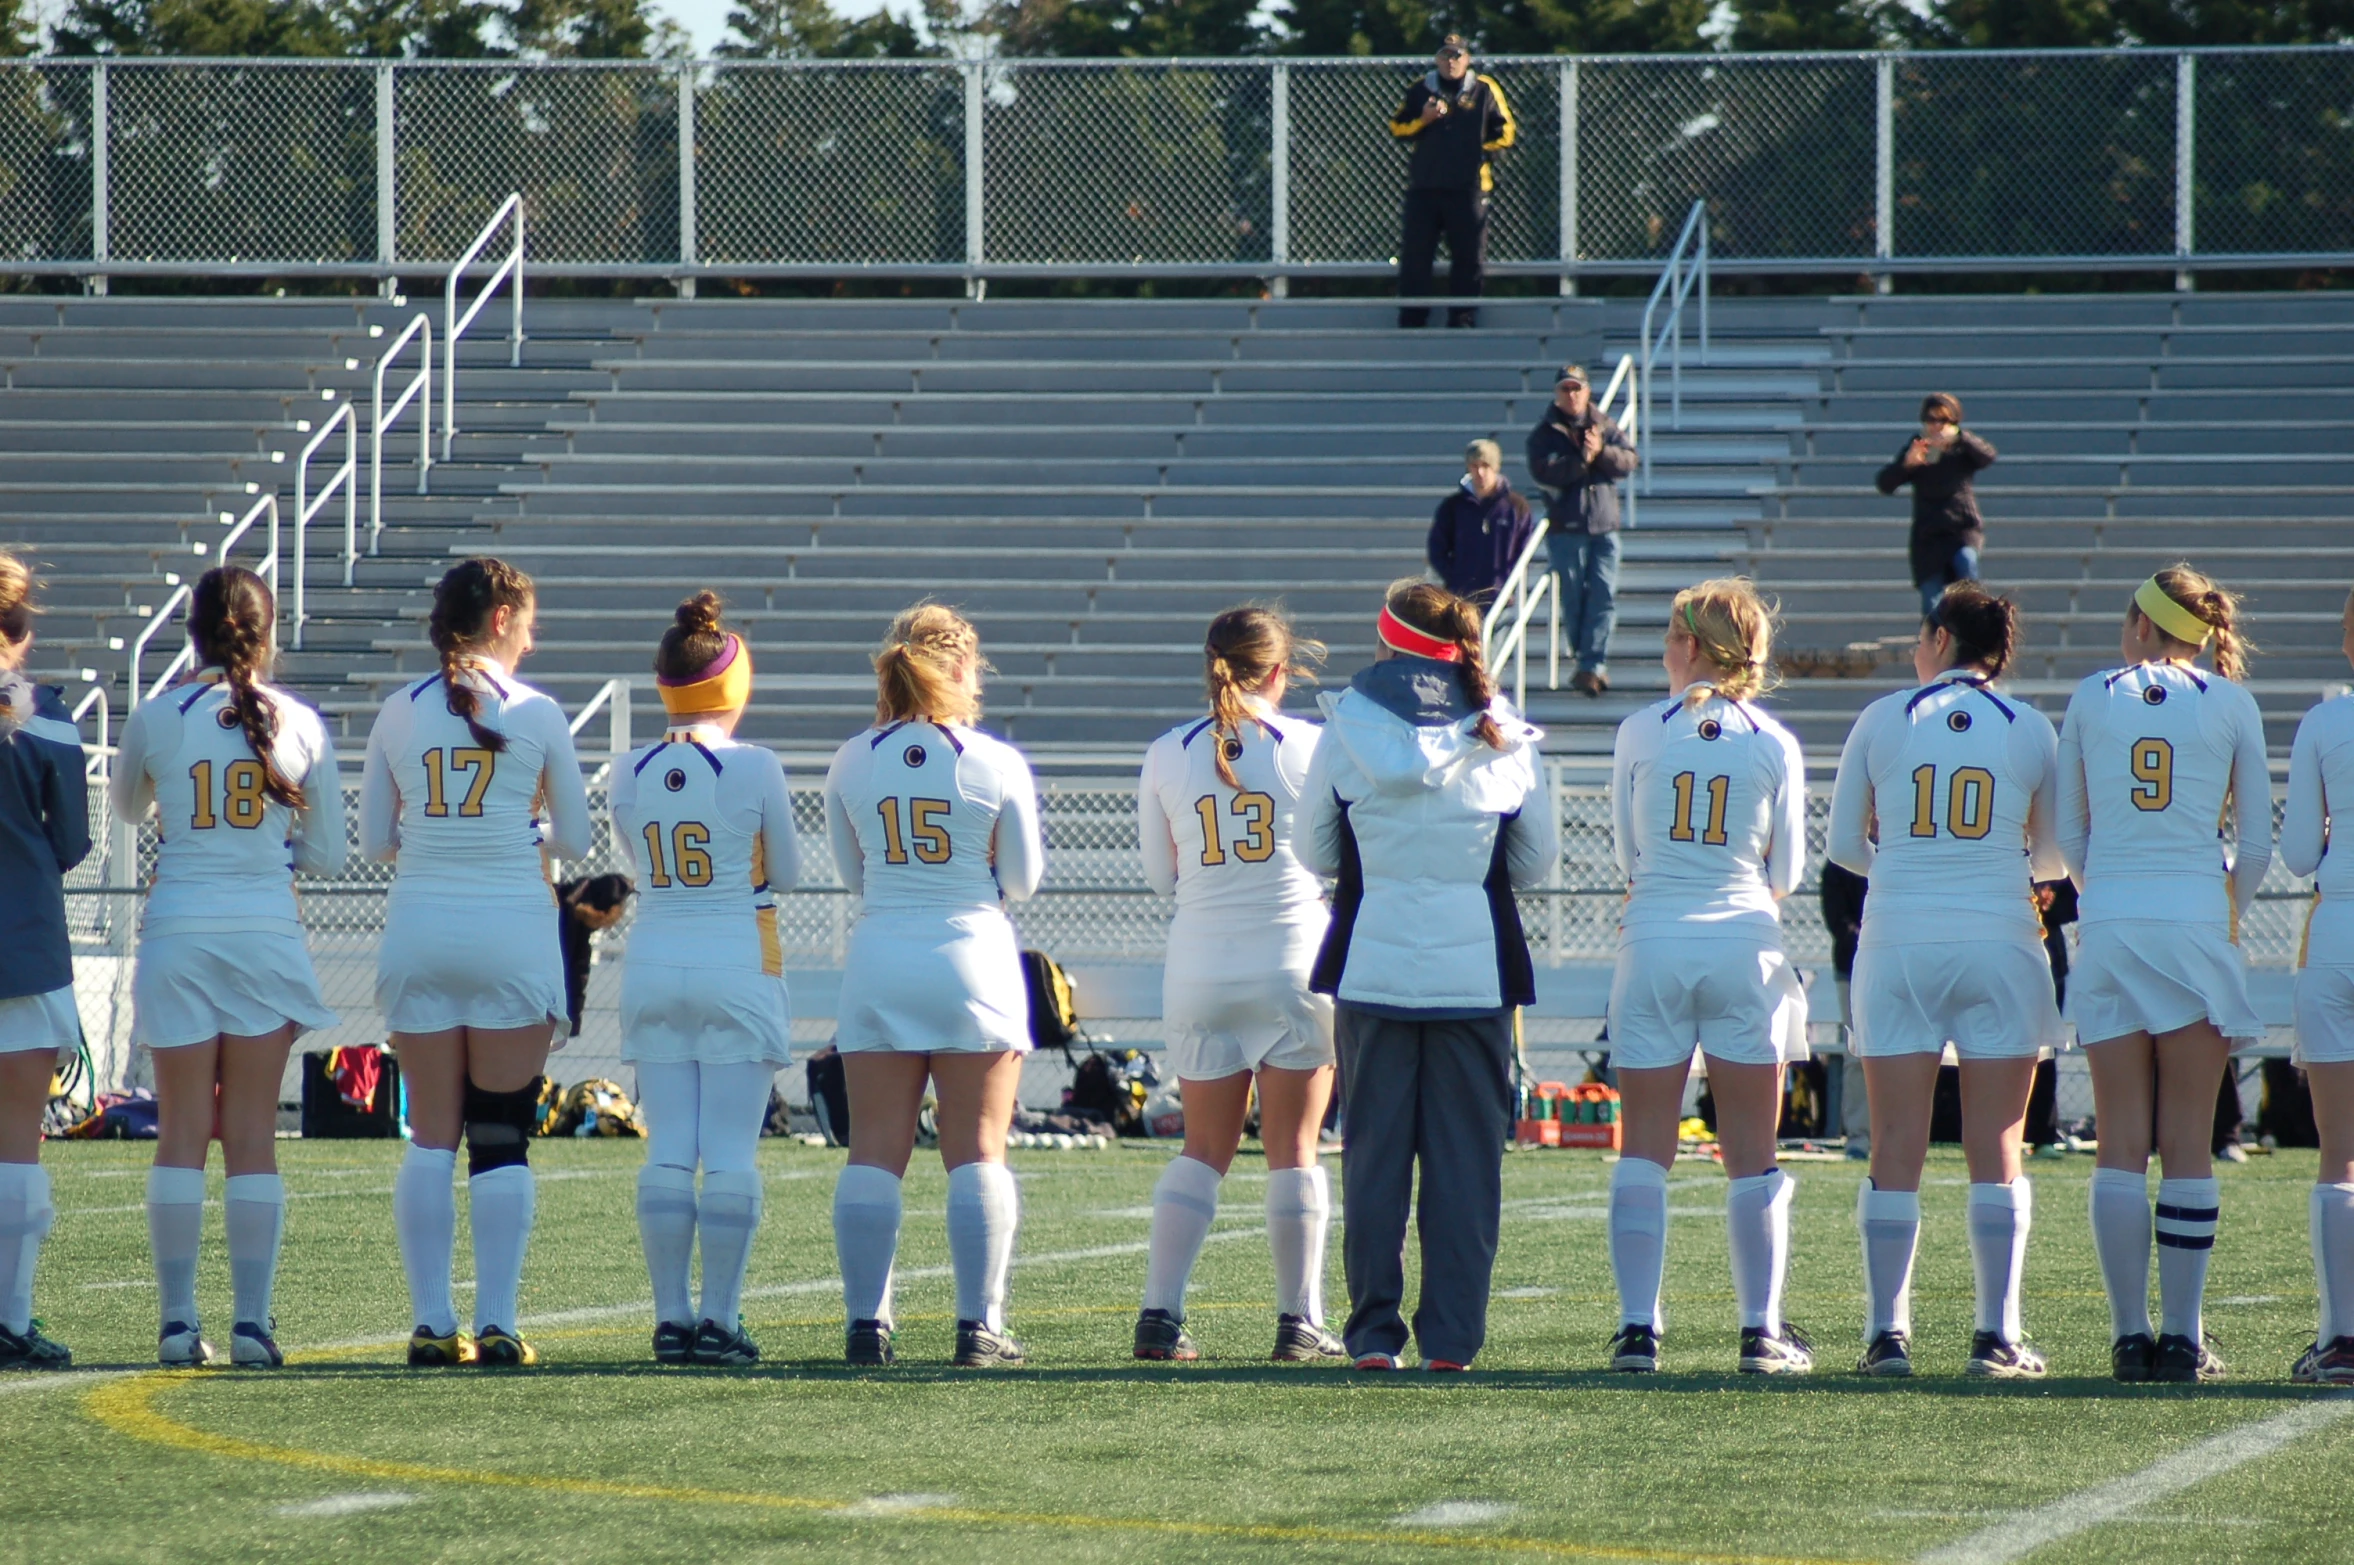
(1884, 166)
(1569, 176)
(975, 237)
(2186, 141)
(387, 192)
(687, 254)
(99, 219)
(1279, 174)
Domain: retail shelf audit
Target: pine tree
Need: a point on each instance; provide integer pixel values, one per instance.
(811, 30)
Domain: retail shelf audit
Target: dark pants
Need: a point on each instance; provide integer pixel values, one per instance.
(1437, 1093)
(1461, 215)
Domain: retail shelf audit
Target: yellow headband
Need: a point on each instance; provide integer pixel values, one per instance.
(2170, 616)
(723, 687)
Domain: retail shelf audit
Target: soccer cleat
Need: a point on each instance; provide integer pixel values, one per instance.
(1889, 1356)
(2182, 1362)
(1299, 1340)
(673, 1343)
(1770, 1353)
(29, 1349)
(181, 1345)
(495, 1347)
(869, 1345)
(1635, 1350)
(977, 1347)
(1377, 1361)
(2131, 1357)
(1993, 1358)
(2328, 1363)
(255, 1347)
(427, 1350)
(1443, 1367)
(715, 1344)
(1161, 1336)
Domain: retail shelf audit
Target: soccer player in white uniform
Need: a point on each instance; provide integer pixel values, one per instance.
(2321, 771)
(2153, 757)
(1214, 820)
(706, 825)
(469, 976)
(1960, 786)
(243, 783)
(1708, 805)
(934, 825)
(44, 832)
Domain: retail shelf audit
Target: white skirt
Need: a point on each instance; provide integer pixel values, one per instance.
(479, 964)
(190, 988)
(931, 983)
(672, 1015)
(2142, 975)
(1991, 1001)
(2325, 1015)
(1734, 997)
(41, 1021)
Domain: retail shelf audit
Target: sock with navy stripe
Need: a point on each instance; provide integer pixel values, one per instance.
(2187, 1210)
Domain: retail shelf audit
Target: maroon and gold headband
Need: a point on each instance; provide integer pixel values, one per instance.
(722, 687)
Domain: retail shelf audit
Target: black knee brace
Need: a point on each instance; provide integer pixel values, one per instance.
(498, 1126)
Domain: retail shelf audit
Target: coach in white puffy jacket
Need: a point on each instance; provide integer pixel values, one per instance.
(1426, 801)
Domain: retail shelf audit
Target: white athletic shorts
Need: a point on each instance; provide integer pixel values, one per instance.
(2325, 1015)
(1732, 997)
(1218, 1026)
(933, 983)
(470, 964)
(41, 1021)
(2143, 975)
(190, 988)
(672, 1015)
(1990, 1000)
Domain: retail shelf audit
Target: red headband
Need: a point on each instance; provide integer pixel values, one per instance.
(1402, 637)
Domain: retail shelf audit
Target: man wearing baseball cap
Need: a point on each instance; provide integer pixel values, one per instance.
(1456, 119)
(1577, 456)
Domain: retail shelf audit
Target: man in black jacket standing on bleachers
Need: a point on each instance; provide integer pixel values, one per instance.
(1455, 117)
(1577, 455)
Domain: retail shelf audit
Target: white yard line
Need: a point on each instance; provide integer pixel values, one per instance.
(2019, 1536)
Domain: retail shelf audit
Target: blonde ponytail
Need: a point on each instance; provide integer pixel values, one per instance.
(1732, 629)
(918, 672)
(2213, 607)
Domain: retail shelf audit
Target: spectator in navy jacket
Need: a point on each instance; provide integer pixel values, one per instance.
(1480, 530)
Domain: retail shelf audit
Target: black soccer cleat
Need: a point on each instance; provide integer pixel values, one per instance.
(2132, 1357)
(2181, 1362)
(869, 1345)
(1890, 1357)
(1635, 1350)
(1786, 1352)
(977, 1347)
(1299, 1340)
(1160, 1336)
(29, 1349)
(254, 1346)
(1994, 1357)
(673, 1343)
(2328, 1363)
(716, 1344)
(495, 1347)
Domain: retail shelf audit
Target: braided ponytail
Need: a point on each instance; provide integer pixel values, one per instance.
(1732, 628)
(1243, 651)
(918, 672)
(230, 615)
(1437, 612)
(464, 601)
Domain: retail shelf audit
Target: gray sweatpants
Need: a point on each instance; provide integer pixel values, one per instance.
(1437, 1093)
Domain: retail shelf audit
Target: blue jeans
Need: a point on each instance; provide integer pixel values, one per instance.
(1962, 567)
(1585, 573)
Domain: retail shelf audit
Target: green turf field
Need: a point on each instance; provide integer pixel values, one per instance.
(601, 1456)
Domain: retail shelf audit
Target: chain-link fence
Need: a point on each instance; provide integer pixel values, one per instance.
(1211, 167)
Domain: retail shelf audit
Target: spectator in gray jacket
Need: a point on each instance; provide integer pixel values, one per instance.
(1577, 456)
(1480, 530)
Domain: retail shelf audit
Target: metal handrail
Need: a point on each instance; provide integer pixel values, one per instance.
(454, 325)
(612, 697)
(94, 759)
(1675, 283)
(421, 381)
(185, 658)
(306, 505)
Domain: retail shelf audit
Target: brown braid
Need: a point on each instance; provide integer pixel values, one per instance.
(463, 602)
(1244, 650)
(229, 619)
(2216, 608)
(1437, 612)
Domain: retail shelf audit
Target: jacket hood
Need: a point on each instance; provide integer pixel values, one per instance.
(1405, 723)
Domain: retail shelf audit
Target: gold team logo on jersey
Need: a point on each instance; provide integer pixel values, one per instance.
(226, 717)
(1232, 748)
(1959, 722)
(2155, 695)
(674, 779)
(1710, 728)
(914, 755)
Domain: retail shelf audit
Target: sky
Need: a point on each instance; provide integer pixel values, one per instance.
(706, 20)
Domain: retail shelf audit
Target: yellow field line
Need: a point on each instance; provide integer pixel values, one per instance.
(127, 1408)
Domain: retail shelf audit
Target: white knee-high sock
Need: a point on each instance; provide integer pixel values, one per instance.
(1638, 1239)
(984, 1209)
(2000, 1216)
(866, 1238)
(502, 1203)
(1299, 1212)
(2187, 1211)
(666, 1230)
(728, 1216)
(1757, 1227)
(2333, 1259)
(1184, 1204)
(1890, 1223)
(2121, 1240)
(425, 1215)
(175, 1227)
(26, 1215)
(253, 1210)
